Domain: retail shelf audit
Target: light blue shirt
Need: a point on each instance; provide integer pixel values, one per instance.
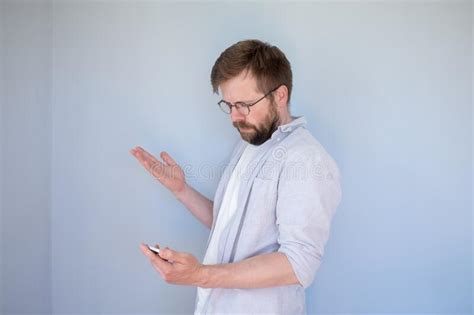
(286, 204)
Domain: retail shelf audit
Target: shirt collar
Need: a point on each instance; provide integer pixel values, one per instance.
(299, 121)
(282, 130)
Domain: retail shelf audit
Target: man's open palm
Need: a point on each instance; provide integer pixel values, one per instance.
(168, 172)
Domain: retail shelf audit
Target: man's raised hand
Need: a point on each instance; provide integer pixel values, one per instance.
(168, 172)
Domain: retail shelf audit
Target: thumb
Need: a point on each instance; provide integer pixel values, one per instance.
(167, 159)
(170, 255)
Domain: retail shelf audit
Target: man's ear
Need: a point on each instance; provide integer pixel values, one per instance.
(281, 96)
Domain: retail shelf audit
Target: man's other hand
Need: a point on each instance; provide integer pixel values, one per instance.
(175, 267)
(167, 172)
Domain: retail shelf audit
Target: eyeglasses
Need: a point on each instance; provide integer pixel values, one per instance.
(241, 107)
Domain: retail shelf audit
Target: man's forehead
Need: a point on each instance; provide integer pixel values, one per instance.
(239, 89)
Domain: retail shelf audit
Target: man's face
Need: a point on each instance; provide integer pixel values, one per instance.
(263, 119)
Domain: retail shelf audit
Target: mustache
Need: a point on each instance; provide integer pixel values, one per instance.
(239, 125)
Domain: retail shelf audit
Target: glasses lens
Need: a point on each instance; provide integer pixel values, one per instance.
(243, 108)
(224, 106)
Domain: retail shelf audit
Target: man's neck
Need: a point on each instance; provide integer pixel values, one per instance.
(285, 119)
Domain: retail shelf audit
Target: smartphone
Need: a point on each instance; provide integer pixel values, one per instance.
(157, 251)
(154, 249)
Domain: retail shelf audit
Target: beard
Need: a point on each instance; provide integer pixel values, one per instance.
(257, 135)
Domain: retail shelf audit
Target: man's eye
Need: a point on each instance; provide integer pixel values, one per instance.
(240, 104)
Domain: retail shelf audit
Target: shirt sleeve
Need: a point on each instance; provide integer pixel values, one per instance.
(308, 194)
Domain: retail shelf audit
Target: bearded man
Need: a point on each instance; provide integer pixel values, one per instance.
(271, 214)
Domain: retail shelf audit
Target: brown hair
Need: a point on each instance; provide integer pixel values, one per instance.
(267, 64)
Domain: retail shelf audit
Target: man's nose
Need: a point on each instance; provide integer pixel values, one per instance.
(236, 116)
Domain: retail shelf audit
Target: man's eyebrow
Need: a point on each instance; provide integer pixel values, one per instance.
(246, 102)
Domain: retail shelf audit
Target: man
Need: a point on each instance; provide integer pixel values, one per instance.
(271, 215)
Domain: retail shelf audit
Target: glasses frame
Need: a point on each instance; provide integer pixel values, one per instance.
(242, 104)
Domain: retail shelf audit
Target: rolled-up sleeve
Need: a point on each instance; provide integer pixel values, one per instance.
(308, 194)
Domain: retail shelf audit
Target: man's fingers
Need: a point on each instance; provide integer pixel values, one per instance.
(156, 261)
(148, 155)
(172, 255)
(137, 151)
(149, 162)
(142, 155)
(146, 251)
(168, 159)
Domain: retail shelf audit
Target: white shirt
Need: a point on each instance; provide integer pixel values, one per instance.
(226, 213)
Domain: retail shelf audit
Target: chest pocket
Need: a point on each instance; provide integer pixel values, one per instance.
(261, 203)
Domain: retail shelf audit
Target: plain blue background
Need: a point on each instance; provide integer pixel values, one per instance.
(385, 86)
